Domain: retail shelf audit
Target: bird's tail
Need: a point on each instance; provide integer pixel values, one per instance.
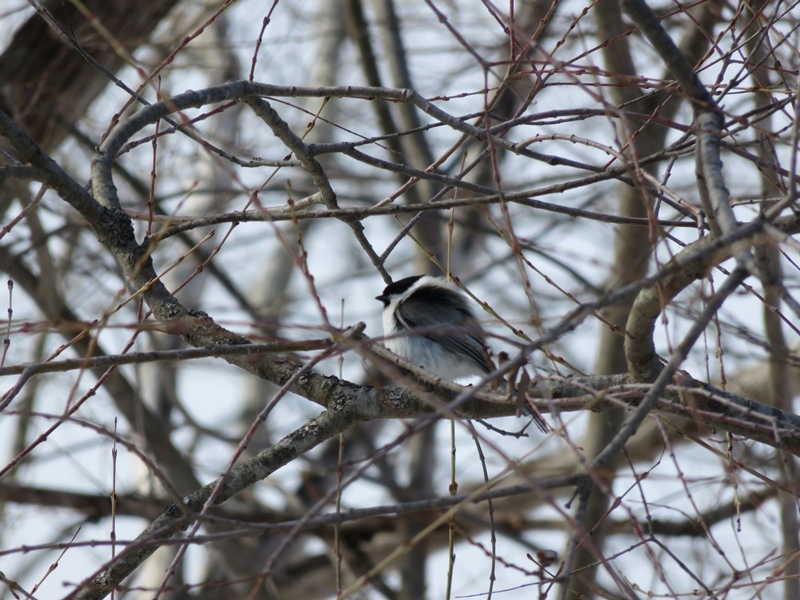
(537, 418)
(527, 409)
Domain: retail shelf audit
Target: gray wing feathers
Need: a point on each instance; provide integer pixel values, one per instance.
(445, 318)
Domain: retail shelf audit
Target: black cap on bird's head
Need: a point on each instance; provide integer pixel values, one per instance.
(397, 288)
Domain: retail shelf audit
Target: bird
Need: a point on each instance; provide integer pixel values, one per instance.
(429, 322)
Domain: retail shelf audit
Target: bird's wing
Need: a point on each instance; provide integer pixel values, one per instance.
(445, 318)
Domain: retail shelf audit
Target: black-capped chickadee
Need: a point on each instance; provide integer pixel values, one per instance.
(428, 322)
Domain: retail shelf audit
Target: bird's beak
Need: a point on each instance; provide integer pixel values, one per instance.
(382, 298)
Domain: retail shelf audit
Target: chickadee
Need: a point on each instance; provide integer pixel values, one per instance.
(449, 342)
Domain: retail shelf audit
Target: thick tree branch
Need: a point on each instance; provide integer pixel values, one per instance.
(297, 443)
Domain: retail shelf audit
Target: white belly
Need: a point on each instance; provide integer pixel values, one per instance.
(427, 354)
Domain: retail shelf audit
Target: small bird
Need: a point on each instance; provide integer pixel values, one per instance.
(428, 321)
